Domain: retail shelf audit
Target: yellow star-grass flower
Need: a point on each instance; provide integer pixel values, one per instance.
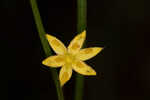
(71, 58)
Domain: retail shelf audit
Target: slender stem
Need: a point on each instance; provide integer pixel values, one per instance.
(81, 25)
(45, 45)
(81, 15)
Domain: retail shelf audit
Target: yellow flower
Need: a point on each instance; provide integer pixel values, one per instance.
(70, 58)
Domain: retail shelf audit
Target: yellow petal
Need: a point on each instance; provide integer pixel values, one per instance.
(56, 44)
(88, 53)
(65, 74)
(83, 68)
(77, 43)
(54, 61)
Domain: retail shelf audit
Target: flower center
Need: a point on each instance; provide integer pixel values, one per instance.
(69, 58)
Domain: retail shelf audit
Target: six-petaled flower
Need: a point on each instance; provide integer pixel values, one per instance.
(71, 58)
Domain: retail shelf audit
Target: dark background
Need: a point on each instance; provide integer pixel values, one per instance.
(121, 26)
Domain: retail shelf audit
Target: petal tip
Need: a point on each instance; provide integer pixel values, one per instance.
(93, 73)
(99, 49)
(61, 84)
(44, 62)
(48, 36)
(84, 33)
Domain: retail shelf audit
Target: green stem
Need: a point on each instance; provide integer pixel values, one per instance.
(81, 15)
(81, 25)
(45, 45)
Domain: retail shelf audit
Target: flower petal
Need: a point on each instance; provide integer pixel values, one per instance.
(65, 74)
(83, 68)
(88, 53)
(77, 43)
(54, 61)
(56, 44)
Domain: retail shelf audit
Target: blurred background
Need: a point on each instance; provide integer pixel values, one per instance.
(121, 26)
